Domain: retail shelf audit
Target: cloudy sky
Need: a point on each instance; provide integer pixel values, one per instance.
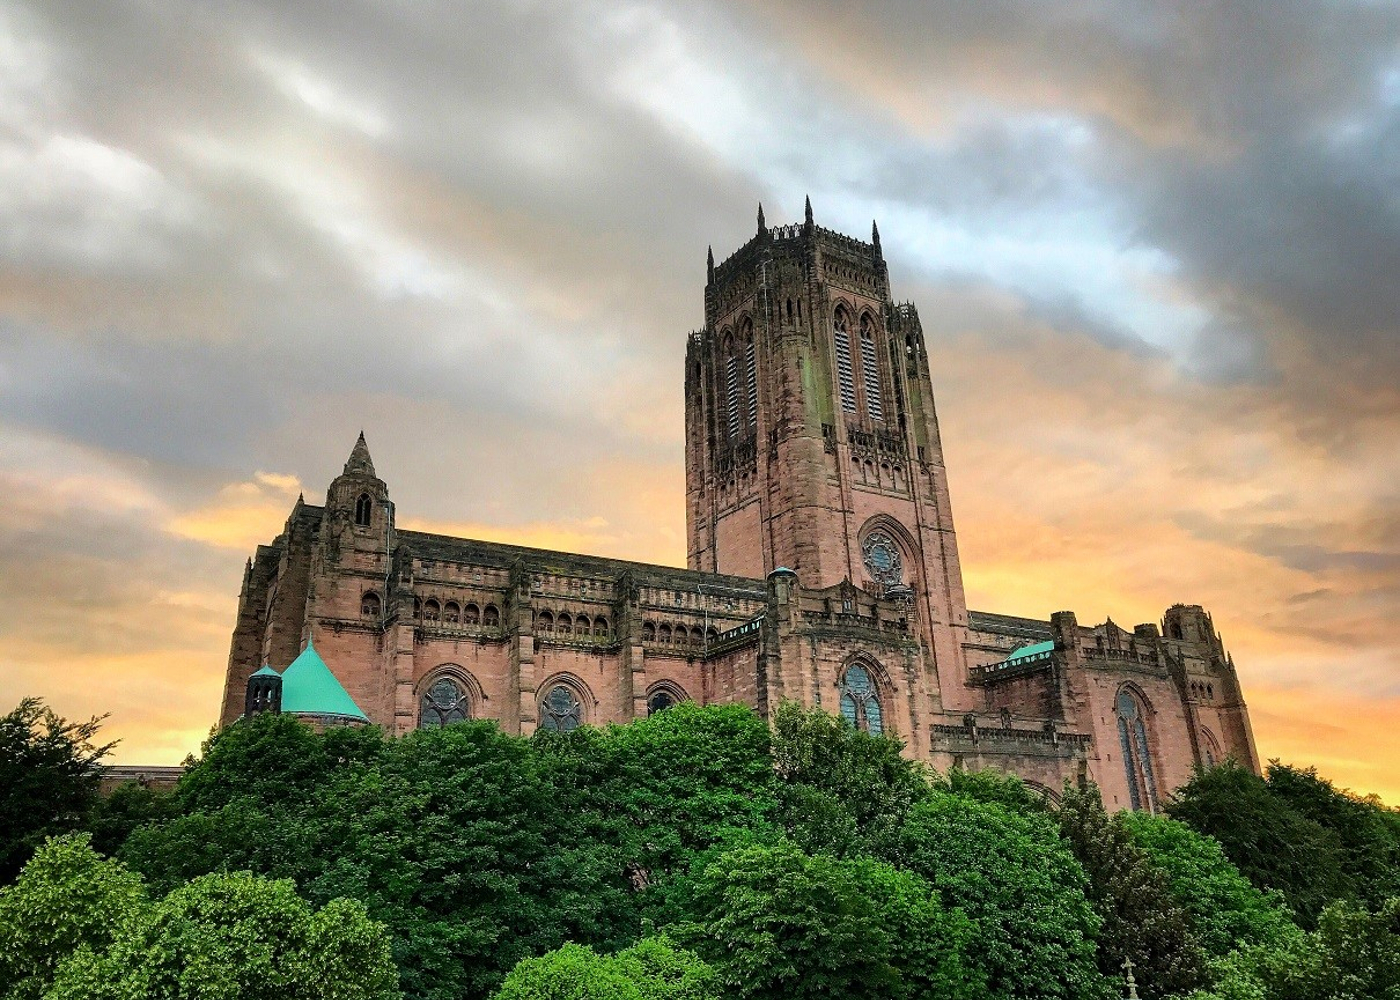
(1155, 248)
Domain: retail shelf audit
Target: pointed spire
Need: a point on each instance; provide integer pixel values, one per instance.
(875, 234)
(710, 263)
(762, 226)
(359, 460)
(807, 212)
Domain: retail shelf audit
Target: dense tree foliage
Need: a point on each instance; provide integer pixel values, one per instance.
(49, 773)
(1226, 910)
(1296, 833)
(840, 790)
(1034, 928)
(1142, 919)
(78, 927)
(652, 969)
(805, 860)
(1353, 955)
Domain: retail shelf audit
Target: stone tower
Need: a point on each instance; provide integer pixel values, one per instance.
(811, 437)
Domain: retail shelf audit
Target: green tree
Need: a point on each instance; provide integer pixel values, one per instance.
(1366, 831)
(239, 936)
(840, 790)
(1353, 955)
(779, 924)
(653, 969)
(49, 774)
(1270, 842)
(1142, 919)
(1227, 911)
(115, 815)
(994, 786)
(1033, 927)
(66, 898)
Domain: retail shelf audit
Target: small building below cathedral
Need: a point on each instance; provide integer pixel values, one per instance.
(823, 569)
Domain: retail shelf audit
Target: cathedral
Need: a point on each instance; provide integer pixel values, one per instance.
(823, 568)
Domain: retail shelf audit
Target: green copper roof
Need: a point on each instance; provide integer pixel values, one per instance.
(1025, 652)
(309, 688)
(265, 671)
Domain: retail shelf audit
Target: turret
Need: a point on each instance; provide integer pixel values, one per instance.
(264, 693)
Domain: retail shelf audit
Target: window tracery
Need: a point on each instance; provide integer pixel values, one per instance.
(560, 709)
(870, 370)
(860, 701)
(1137, 757)
(845, 369)
(364, 510)
(443, 703)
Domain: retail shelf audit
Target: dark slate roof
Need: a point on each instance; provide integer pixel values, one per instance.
(1021, 628)
(473, 551)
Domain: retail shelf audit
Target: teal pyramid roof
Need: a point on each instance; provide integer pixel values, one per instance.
(309, 688)
(265, 671)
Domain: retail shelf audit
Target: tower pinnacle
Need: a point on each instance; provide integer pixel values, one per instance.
(875, 235)
(359, 460)
(808, 210)
(762, 226)
(710, 263)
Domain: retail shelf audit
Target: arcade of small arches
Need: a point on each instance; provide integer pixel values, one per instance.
(678, 635)
(1203, 690)
(565, 624)
(450, 695)
(433, 610)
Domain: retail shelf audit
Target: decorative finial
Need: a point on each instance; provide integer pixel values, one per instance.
(875, 234)
(1131, 982)
(710, 262)
(762, 226)
(808, 210)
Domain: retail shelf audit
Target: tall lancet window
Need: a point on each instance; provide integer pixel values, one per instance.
(845, 374)
(1137, 761)
(731, 389)
(751, 380)
(870, 368)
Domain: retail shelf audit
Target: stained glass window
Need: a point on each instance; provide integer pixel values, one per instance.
(659, 702)
(560, 710)
(860, 702)
(443, 703)
(1137, 760)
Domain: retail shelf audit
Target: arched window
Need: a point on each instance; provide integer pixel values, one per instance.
(600, 626)
(369, 605)
(417, 609)
(364, 507)
(732, 387)
(860, 702)
(1137, 759)
(443, 703)
(431, 611)
(648, 632)
(682, 636)
(663, 635)
(566, 624)
(545, 622)
(581, 626)
(1210, 748)
(750, 377)
(845, 373)
(870, 369)
(711, 634)
(560, 709)
(472, 615)
(451, 613)
(493, 616)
